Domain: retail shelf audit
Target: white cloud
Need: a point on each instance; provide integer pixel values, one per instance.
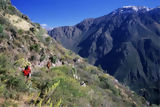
(44, 25)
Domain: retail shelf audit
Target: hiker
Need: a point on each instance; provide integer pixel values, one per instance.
(27, 72)
(48, 64)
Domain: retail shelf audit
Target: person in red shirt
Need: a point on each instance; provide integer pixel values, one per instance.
(27, 72)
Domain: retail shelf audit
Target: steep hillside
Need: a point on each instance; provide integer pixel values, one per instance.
(69, 82)
(125, 43)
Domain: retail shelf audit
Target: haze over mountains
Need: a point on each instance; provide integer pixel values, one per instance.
(125, 43)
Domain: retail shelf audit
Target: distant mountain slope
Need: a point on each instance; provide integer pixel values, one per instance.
(125, 43)
(70, 81)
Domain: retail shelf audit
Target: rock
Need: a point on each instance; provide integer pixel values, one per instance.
(53, 65)
(25, 17)
(58, 63)
(83, 84)
(32, 29)
(75, 76)
(116, 80)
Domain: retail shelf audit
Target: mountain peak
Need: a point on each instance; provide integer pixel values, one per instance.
(136, 8)
(130, 9)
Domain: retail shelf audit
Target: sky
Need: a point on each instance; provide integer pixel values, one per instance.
(55, 13)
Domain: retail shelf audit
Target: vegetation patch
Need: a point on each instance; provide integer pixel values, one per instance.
(35, 47)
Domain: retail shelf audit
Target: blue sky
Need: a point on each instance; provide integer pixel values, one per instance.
(54, 13)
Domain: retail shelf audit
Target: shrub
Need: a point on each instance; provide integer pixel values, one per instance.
(13, 31)
(1, 28)
(3, 21)
(20, 32)
(105, 83)
(40, 33)
(115, 91)
(37, 25)
(10, 82)
(35, 47)
(3, 36)
(32, 58)
(25, 17)
(53, 59)
(11, 9)
(2, 4)
(100, 67)
(3, 61)
(17, 83)
(48, 39)
(2, 89)
(42, 58)
(93, 71)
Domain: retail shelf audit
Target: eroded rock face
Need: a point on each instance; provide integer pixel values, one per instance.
(125, 43)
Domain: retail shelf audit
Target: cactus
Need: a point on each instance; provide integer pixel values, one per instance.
(37, 97)
(49, 100)
(48, 92)
(51, 105)
(40, 103)
(59, 103)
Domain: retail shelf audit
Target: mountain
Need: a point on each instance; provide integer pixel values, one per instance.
(70, 81)
(125, 43)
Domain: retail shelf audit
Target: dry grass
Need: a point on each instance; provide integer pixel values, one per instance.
(18, 22)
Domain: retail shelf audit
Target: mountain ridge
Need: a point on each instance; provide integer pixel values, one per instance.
(125, 44)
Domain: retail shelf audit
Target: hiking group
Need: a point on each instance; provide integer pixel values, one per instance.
(27, 70)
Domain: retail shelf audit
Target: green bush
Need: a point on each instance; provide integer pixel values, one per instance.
(93, 71)
(2, 33)
(3, 61)
(2, 4)
(48, 39)
(11, 10)
(35, 47)
(32, 58)
(3, 36)
(2, 89)
(20, 32)
(53, 59)
(18, 83)
(3, 21)
(106, 84)
(42, 58)
(115, 91)
(1, 28)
